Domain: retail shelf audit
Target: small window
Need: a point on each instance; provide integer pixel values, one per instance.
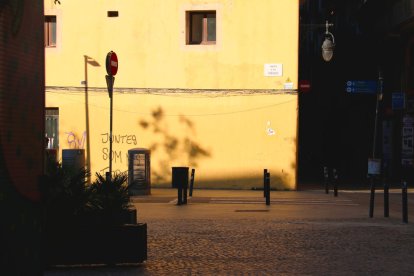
(52, 127)
(50, 31)
(201, 27)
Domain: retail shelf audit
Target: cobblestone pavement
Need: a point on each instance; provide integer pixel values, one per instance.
(301, 233)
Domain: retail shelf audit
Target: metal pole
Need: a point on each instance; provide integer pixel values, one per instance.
(88, 143)
(264, 182)
(192, 182)
(110, 133)
(379, 96)
(110, 83)
(335, 180)
(386, 200)
(326, 178)
(374, 146)
(404, 202)
(267, 188)
(372, 197)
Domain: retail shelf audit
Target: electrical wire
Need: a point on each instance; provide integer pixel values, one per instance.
(253, 92)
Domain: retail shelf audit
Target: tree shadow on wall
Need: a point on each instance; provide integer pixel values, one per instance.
(174, 147)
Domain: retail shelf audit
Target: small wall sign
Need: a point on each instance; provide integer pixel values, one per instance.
(273, 70)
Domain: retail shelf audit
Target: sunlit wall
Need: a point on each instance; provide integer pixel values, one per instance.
(228, 109)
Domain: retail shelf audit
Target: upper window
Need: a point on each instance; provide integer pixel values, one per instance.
(201, 27)
(50, 31)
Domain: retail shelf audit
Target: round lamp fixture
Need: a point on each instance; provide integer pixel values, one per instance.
(328, 44)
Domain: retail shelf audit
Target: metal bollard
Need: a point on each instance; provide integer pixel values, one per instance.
(267, 188)
(326, 179)
(335, 181)
(404, 202)
(372, 197)
(386, 200)
(264, 182)
(192, 181)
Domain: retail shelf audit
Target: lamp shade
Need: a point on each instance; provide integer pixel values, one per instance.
(327, 49)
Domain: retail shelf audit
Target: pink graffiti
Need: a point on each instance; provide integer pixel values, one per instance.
(75, 142)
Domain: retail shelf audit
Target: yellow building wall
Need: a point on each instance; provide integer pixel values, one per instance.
(210, 107)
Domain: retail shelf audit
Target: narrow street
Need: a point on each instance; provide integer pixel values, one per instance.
(300, 233)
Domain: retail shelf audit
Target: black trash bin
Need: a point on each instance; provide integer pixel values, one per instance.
(180, 182)
(139, 171)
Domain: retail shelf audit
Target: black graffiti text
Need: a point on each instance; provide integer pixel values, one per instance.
(129, 139)
(117, 155)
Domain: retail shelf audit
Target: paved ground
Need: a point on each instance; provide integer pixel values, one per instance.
(300, 233)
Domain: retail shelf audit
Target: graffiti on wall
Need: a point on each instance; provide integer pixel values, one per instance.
(106, 169)
(76, 141)
(118, 156)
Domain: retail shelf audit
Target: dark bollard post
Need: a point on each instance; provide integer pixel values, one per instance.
(386, 200)
(386, 189)
(180, 181)
(326, 179)
(335, 181)
(264, 182)
(267, 188)
(372, 197)
(374, 172)
(404, 202)
(192, 181)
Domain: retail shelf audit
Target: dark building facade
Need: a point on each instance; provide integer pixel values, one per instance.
(21, 135)
(339, 126)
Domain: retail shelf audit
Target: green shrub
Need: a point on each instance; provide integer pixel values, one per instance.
(68, 199)
(112, 195)
(64, 192)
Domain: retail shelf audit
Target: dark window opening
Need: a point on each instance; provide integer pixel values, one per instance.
(201, 27)
(50, 31)
(113, 14)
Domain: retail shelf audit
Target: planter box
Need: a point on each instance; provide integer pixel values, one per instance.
(95, 244)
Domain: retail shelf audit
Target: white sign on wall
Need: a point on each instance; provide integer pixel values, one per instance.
(273, 70)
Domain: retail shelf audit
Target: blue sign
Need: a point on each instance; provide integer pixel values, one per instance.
(398, 101)
(362, 86)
